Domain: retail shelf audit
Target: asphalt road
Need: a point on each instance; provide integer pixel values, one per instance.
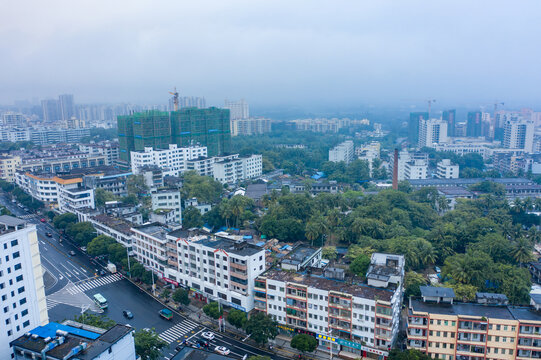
(71, 282)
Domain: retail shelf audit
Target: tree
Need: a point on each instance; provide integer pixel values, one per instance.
(192, 218)
(148, 345)
(62, 221)
(101, 196)
(181, 296)
(81, 233)
(304, 343)
(213, 310)
(98, 245)
(136, 185)
(412, 282)
(131, 199)
(261, 328)
(329, 253)
(100, 321)
(465, 292)
(522, 251)
(259, 357)
(237, 318)
(411, 354)
(360, 265)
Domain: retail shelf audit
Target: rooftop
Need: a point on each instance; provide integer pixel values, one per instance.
(300, 254)
(238, 248)
(319, 282)
(434, 291)
(64, 340)
(119, 225)
(153, 229)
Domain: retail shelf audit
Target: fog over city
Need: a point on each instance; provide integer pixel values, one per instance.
(272, 53)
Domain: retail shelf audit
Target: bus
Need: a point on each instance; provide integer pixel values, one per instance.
(100, 301)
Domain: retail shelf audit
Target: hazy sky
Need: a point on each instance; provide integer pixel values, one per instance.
(272, 52)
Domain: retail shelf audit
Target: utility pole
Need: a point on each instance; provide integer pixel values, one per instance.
(129, 266)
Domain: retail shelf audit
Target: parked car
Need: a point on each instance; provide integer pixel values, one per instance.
(127, 314)
(208, 335)
(222, 350)
(437, 269)
(43, 220)
(49, 234)
(189, 343)
(72, 253)
(83, 248)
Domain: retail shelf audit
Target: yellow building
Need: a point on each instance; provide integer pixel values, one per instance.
(488, 329)
(8, 167)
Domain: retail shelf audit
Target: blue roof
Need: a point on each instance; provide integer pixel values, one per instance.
(50, 329)
(247, 237)
(261, 243)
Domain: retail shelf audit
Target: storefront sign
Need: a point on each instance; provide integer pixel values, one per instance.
(352, 344)
(167, 280)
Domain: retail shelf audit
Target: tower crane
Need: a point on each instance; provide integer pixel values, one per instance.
(175, 98)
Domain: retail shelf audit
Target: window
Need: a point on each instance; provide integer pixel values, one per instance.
(22, 301)
(24, 312)
(14, 243)
(20, 290)
(16, 254)
(26, 323)
(17, 266)
(19, 278)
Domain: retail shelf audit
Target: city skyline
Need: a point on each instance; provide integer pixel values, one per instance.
(277, 53)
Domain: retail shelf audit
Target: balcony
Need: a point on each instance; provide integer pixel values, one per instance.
(416, 332)
(171, 246)
(471, 337)
(340, 325)
(241, 275)
(296, 295)
(296, 304)
(472, 326)
(530, 330)
(416, 344)
(417, 321)
(260, 285)
(475, 349)
(258, 305)
(382, 322)
(238, 266)
(301, 315)
(530, 354)
(172, 263)
(383, 334)
(530, 342)
(242, 286)
(346, 305)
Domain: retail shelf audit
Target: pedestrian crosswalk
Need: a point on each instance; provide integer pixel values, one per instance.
(52, 303)
(93, 283)
(177, 331)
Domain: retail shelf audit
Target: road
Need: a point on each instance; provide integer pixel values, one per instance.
(71, 281)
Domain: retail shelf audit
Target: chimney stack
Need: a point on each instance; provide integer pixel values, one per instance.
(395, 169)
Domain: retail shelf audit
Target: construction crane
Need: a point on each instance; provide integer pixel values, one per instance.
(430, 101)
(175, 98)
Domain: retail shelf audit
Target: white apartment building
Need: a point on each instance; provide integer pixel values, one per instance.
(68, 193)
(174, 159)
(149, 247)
(411, 165)
(235, 170)
(12, 119)
(447, 170)
(118, 229)
(467, 146)
(14, 135)
(518, 134)
(369, 152)
(251, 126)
(237, 109)
(8, 167)
(355, 319)
(431, 132)
(21, 282)
(72, 195)
(168, 199)
(109, 149)
(342, 152)
(204, 166)
(416, 169)
(216, 268)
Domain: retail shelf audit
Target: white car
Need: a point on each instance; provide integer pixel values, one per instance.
(222, 350)
(208, 335)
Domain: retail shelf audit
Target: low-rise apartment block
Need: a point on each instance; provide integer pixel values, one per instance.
(239, 169)
(174, 159)
(214, 267)
(488, 329)
(8, 167)
(356, 319)
(447, 170)
(342, 152)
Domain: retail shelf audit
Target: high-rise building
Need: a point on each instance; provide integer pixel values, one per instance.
(474, 127)
(12, 119)
(21, 282)
(51, 110)
(238, 109)
(415, 118)
(518, 134)
(208, 127)
(67, 107)
(450, 117)
(433, 131)
(342, 152)
(250, 126)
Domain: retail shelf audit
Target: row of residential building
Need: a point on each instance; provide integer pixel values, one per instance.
(44, 136)
(227, 169)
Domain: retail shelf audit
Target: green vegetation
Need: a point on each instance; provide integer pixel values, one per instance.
(181, 296)
(61, 222)
(148, 345)
(213, 310)
(304, 343)
(397, 354)
(261, 328)
(237, 318)
(102, 196)
(191, 217)
(204, 188)
(100, 321)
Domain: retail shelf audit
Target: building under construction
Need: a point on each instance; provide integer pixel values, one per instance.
(209, 127)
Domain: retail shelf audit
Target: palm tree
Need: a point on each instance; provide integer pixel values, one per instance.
(312, 232)
(522, 251)
(534, 235)
(457, 268)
